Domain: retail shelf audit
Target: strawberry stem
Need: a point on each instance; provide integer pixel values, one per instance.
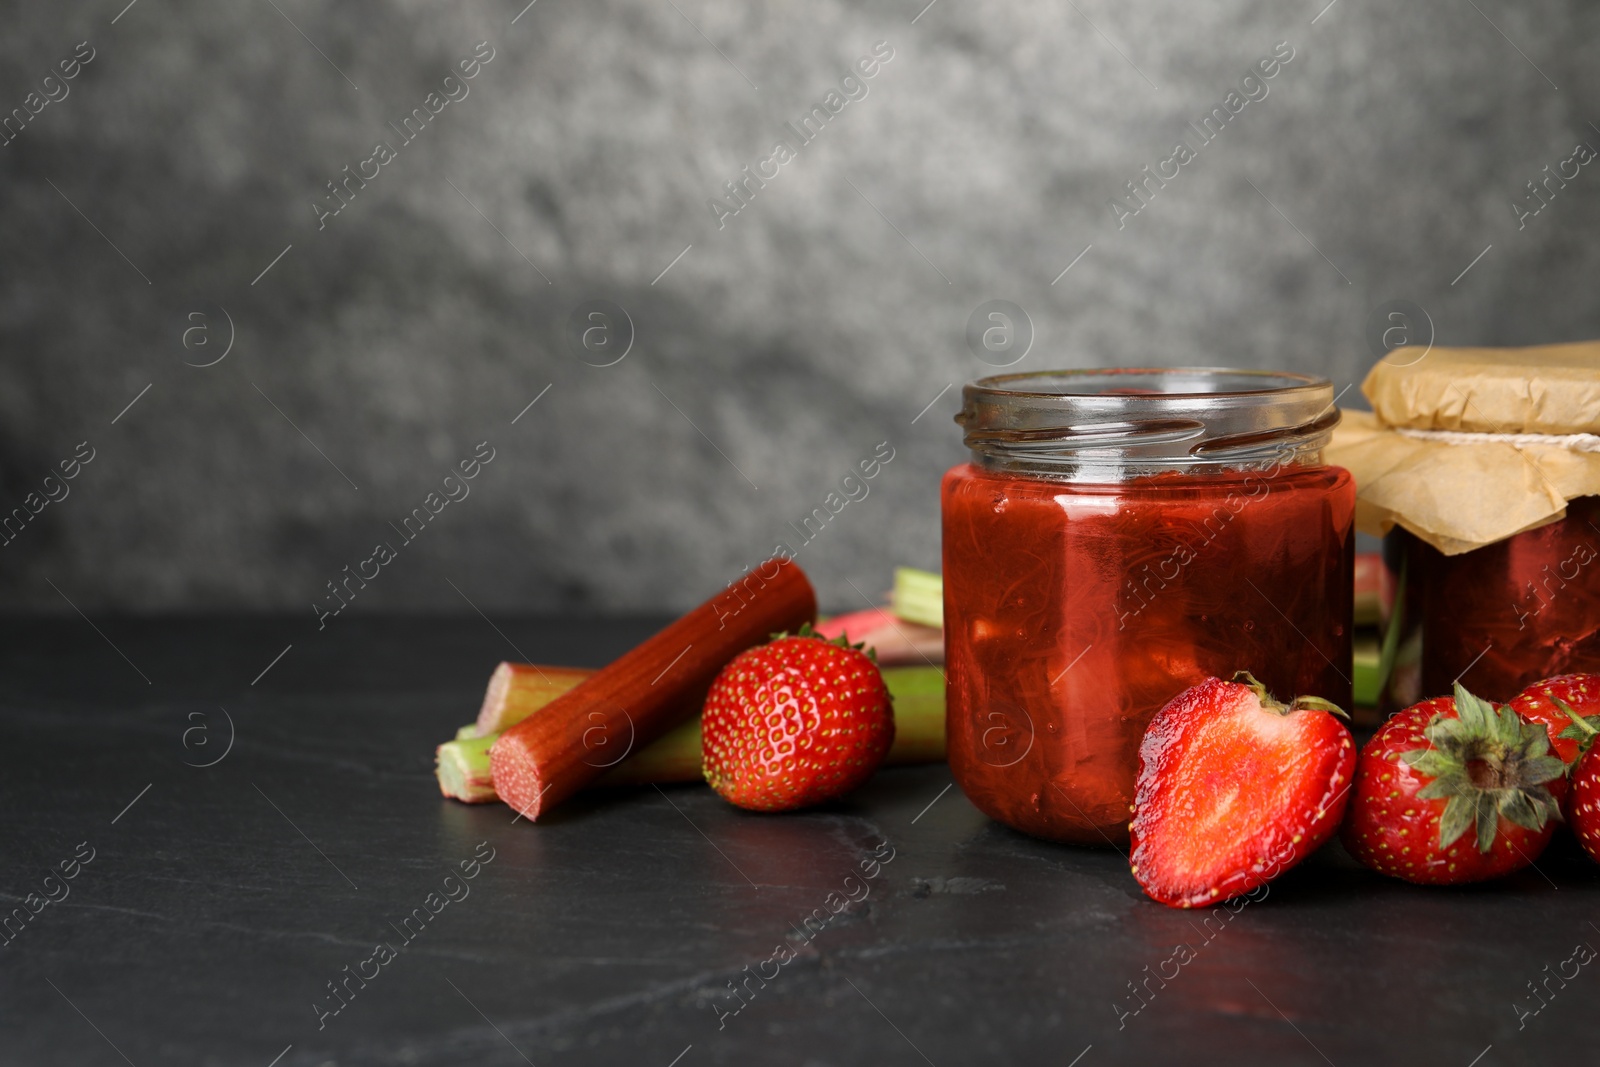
(1582, 730)
(1318, 704)
(1583, 726)
(1490, 764)
(1245, 678)
(1277, 707)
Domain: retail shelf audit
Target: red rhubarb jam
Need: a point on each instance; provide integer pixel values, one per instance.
(1500, 617)
(1118, 537)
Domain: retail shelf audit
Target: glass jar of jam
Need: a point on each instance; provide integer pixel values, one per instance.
(1500, 617)
(1118, 536)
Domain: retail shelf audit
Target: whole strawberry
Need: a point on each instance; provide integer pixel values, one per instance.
(1441, 768)
(1542, 702)
(1234, 788)
(795, 722)
(1581, 805)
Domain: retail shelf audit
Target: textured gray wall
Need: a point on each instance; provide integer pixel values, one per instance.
(781, 348)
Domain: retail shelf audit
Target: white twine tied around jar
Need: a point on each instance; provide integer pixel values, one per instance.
(1574, 442)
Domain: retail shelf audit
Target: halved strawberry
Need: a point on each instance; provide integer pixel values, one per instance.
(1440, 768)
(1234, 788)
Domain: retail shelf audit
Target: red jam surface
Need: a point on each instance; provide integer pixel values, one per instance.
(1503, 616)
(1074, 612)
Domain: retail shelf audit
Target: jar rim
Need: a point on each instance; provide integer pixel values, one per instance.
(1151, 418)
(1288, 380)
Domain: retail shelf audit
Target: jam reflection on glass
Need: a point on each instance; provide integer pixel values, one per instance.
(1073, 612)
(1499, 617)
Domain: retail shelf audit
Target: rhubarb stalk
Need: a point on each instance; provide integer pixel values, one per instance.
(918, 596)
(516, 690)
(462, 767)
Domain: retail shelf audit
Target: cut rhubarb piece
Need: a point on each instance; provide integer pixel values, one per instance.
(918, 597)
(674, 758)
(918, 694)
(894, 640)
(463, 768)
(1368, 574)
(1366, 683)
(517, 690)
(464, 773)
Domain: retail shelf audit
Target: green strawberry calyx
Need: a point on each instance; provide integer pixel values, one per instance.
(1489, 763)
(1278, 707)
(841, 641)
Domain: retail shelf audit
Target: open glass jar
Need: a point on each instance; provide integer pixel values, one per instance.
(1118, 536)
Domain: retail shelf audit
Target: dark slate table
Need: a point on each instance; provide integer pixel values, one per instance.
(220, 902)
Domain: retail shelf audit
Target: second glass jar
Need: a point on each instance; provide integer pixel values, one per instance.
(1118, 537)
(1497, 618)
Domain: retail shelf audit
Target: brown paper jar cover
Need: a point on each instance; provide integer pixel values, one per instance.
(1461, 494)
(1550, 389)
